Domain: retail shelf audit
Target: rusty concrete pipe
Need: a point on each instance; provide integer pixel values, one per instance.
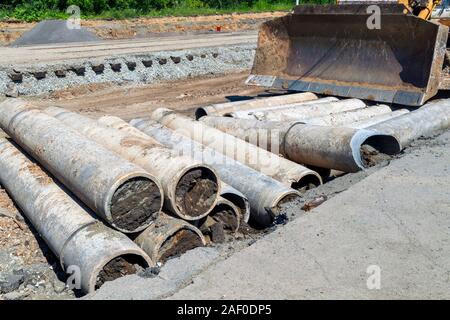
(169, 237)
(191, 189)
(121, 193)
(425, 121)
(264, 194)
(328, 147)
(347, 117)
(361, 124)
(249, 114)
(309, 111)
(72, 233)
(227, 107)
(238, 199)
(287, 172)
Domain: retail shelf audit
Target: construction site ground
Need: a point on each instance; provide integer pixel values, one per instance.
(376, 234)
(394, 216)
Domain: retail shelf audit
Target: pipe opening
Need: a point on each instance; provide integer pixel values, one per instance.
(306, 183)
(238, 201)
(196, 192)
(199, 113)
(278, 212)
(135, 203)
(120, 266)
(377, 149)
(324, 173)
(178, 243)
(226, 216)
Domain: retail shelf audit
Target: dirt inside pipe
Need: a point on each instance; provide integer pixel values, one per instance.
(119, 267)
(136, 202)
(225, 215)
(179, 243)
(196, 192)
(308, 182)
(372, 156)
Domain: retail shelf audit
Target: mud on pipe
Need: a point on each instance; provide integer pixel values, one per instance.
(281, 169)
(123, 194)
(191, 188)
(79, 240)
(221, 223)
(168, 238)
(263, 193)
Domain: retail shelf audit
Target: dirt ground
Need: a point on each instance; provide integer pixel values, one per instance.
(130, 102)
(146, 27)
(19, 241)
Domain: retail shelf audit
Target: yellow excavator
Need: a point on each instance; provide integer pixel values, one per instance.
(382, 51)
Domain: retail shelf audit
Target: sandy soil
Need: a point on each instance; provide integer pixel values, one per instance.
(130, 102)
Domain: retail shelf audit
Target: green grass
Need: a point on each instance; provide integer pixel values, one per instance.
(29, 13)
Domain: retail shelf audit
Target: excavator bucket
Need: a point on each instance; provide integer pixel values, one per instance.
(332, 50)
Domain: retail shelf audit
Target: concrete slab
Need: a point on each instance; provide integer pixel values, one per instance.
(396, 221)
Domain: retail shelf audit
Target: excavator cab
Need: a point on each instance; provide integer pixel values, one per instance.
(382, 53)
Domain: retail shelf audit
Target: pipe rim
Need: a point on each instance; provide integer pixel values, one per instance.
(119, 182)
(361, 136)
(203, 167)
(235, 209)
(245, 209)
(156, 256)
(138, 253)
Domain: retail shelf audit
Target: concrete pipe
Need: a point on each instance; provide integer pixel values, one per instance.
(425, 121)
(123, 194)
(261, 133)
(309, 111)
(255, 131)
(338, 148)
(227, 107)
(238, 199)
(287, 172)
(169, 237)
(264, 194)
(347, 117)
(377, 119)
(249, 114)
(223, 221)
(191, 189)
(81, 242)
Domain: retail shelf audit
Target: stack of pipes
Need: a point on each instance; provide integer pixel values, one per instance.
(110, 198)
(106, 203)
(345, 135)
